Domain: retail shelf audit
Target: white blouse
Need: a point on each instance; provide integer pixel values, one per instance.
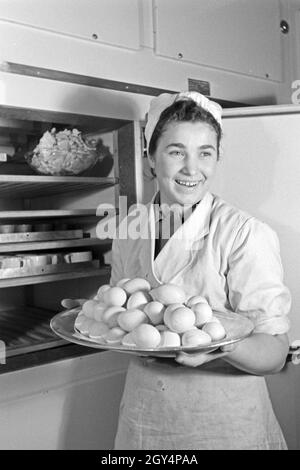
(220, 252)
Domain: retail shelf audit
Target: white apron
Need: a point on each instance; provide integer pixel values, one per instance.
(169, 406)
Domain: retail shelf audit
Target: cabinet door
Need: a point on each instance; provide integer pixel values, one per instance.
(236, 35)
(108, 21)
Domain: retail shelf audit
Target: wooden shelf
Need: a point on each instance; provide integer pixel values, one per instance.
(52, 245)
(43, 278)
(28, 186)
(45, 214)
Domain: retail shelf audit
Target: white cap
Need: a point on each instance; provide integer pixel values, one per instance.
(163, 101)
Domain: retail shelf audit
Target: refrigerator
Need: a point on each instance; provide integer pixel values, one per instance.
(259, 172)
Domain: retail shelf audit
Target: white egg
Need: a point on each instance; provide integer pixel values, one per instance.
(138, 299)
(110, 315)
(115, 335)
(215, 330)
(196, 299)
(169, 339)
(98, 330)
(155, 311)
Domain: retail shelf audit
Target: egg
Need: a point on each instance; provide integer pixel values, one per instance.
(79, 320)
(121, 282)
(162, 328)
(114, 296)
(136, 284)
(98, 330)
(138, 300)
(195, 337)
(169, 339)
(127, 340)
(168, 294)
(203, 313)
(99, 310)
(110, 315)
(215, 330)
(146, 336)
(84, 327)
(196, 299)
(115, 335)
(101, 290)
(88, 308)
(131, 318)
(180, 319)
(155, 311)
(170, 308)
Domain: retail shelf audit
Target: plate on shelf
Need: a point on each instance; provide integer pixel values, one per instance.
(237, 328)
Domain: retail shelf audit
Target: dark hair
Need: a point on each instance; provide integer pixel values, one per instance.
(183, 111)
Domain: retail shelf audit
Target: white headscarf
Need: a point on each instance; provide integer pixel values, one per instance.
(163, 101)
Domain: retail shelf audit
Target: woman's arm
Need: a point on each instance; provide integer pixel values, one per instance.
(260, 354)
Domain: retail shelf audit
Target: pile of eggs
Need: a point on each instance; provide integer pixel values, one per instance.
(133, 314)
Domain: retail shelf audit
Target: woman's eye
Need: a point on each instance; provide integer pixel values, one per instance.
(205, 154)
(177, 153)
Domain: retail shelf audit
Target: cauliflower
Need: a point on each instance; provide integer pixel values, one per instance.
(63, 152)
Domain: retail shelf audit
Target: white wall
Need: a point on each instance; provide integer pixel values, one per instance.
(131, 44)
(70, 404)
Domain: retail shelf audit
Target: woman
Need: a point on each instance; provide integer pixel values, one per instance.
(215, 400)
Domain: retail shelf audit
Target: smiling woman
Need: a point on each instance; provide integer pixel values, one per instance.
(216, 400)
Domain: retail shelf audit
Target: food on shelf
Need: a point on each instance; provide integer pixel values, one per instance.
(62, 153)
(134, 315)
(7, 228)
(32, 260)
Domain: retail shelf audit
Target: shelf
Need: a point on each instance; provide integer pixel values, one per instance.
(52, 245)
(44, 214)
(80, 272)
(28, 186)
(27, 329)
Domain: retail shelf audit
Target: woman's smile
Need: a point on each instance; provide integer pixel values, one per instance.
(188, 183)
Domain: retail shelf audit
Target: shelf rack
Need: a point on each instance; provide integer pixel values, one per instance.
(27, 329)
(44, 278)
(28, 186)
(53, 245)
(44, 214)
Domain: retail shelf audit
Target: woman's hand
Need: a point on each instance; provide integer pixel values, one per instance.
(200, 358)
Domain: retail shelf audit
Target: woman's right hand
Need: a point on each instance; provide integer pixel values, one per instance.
(200, 358)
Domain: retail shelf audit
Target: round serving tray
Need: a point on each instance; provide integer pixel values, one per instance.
(236, 326)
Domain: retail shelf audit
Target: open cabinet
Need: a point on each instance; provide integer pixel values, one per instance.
(52, 221)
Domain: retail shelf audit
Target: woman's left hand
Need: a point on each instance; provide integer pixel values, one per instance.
(199, 358)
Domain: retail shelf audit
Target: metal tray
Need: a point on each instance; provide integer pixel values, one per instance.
(236, 326)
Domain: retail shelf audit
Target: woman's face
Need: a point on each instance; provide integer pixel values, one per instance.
(185, 161)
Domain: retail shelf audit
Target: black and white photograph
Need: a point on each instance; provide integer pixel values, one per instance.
(149, 228)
